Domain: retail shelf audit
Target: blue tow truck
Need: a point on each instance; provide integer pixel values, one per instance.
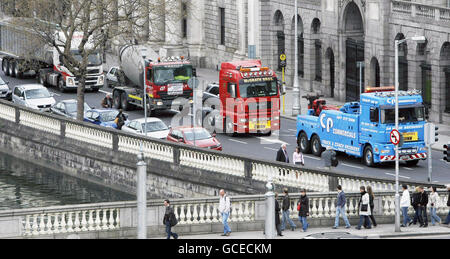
(362, 129)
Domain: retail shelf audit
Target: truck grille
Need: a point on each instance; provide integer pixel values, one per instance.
(93, 71)
(186, 94)
(259, 106)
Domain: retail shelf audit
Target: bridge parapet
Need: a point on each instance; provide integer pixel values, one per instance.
(195, 216)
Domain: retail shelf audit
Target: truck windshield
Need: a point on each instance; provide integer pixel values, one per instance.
(404, 115)
(94, 59)
(258, 89)
(165, 75)
(37, 93)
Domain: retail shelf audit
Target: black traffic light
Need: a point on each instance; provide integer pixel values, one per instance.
(447, 152)
(436, 133)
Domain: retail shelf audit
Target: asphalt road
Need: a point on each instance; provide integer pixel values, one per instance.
(266, 147)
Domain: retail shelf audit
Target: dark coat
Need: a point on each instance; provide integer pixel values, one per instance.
(423, 199)
(167, 214)
(277, 212)
(286, 202)
(415, 198)
(281, 157)
(304, 206)
(371, 198)
(122, 120)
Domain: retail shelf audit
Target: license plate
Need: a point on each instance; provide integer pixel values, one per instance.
(175, 89)
(410, 136)
(260, 125)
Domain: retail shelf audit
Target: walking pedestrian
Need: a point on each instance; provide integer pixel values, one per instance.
(169, 220)
(120, 120)
(364, 208)
(297, 157)
(423, 202)
(329, 155)
(372, 205)
(405, 202)
(340, 208)
(447, 220)
(277, 216)
(415, 199)
(282, 155)
(303, 209)
(224, 209)
(434, 203)
(286, 205)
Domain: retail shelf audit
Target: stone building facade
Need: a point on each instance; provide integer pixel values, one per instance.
(334, 35)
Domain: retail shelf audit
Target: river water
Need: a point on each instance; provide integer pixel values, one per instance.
(26, 185)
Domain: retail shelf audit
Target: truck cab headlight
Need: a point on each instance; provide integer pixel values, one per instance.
(243, 120)
(276, 118)
(101, 80)
(70, 81)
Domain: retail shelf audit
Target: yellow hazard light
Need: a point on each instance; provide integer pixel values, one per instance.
(380, 89)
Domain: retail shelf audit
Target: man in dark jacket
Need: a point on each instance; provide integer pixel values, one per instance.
(304, 209)
(286, 211)
(340, 209)
(422, 206)
(282, 155)
(120, 119)
(277, 216)
(169, 216)
(447, 220)
(415, 198)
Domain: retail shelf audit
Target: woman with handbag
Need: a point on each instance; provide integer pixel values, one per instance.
(364, 208)
(434, 203)
(303, 209)
(372, 205)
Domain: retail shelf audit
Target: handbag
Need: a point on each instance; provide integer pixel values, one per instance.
(173, 220)
(299, 205)
(364, 207)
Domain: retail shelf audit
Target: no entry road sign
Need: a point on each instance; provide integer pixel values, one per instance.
(395, 137)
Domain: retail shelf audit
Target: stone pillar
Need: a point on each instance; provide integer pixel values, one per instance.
(437, 107)
(309, 63)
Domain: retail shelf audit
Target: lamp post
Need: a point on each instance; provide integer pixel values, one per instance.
(296, 109)
(418, 39)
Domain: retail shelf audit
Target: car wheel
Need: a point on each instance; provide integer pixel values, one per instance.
(117, 100)
(303, 143)
(61, 86)
(316, 146)
(412, 162)
(368, 156)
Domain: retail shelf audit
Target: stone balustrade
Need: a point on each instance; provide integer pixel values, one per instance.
(89, 135)
(194, 215)
(411, 9)
(7, 112)
(154, 150)
(212, 162)
(40, 122)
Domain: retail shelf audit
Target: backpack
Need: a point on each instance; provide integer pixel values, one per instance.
(173, 220)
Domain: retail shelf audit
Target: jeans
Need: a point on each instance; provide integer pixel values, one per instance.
(423, 218)
(304, 222)
(341, 211)
(169, 231)
(364, 220)
(434, 217)
(286, 218)
(447, 220)
(226, 227)
(417, 216)
(406, 218)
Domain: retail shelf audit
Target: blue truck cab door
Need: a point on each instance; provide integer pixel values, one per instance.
(371, 133)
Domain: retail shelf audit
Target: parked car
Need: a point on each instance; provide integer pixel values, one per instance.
(68, 108)
(5, 92)
(103, 118)
(33, 96)
(156, 128)
(186, 135)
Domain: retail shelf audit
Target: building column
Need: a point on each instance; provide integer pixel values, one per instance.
(195, 31)
(437, 108)
(309, 61)
(254, 29)
(157, 22)
(242, 46)
(173, 32)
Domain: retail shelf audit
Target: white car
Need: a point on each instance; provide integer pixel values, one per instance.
(5, 93)
(156, 128)
(33, 96)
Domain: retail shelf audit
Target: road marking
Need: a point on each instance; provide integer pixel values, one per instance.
(354, 166)
(311, 157)
(105, 92)
(407, 168)
(399, 176)
(294, 130)
(274, 149)
(273, 140)
(55, 94)
(242, 142)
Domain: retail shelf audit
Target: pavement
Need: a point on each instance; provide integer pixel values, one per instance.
(385, 231)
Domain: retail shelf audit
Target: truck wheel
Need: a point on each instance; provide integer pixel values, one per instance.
(229, 128)
(41, 79)
(117, 100)
(12, 69)
(17, 72)
(61, 86)
(368, 156)
(316, 146)
(412, 162)
(125, 104)
(5, 66)
(303, 143)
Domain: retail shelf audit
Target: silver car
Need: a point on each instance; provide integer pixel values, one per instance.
(33, 96)
(5, 92)
(156, 128)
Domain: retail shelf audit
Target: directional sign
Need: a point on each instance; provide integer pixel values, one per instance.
(283, 57)
(395, 137)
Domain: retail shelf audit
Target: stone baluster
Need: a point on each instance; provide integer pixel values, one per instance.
(91, 221)
(333, 208)
(182, 215)
(215, 215)
(70, 222)
(386, 206)
(392, 206)
(195, 214)
(42, 225)
(246, 211)
(105, 221)
(208, 213)
(351, 207)
(63, 223)
(27, 230)
(49, 224)
(202, 213)
(77, 222)
(97, 220)
(320, 209)
(35, 225)
(83, 221)
(56, 223)
(188, 214)
(111, 219)
(326, 209)
(241, 211)
(117, 218)
(314, 208)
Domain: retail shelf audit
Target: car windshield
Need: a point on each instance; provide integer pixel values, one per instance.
(258, 89)
(72, 107)
(200, 134)
(108, 116)
(94, 59)
(156, 126)
(37, 93)
(404, 115)
(165, 75)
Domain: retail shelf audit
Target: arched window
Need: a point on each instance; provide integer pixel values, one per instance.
(280, 36)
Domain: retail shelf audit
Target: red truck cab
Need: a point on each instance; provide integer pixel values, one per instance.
(250, 98)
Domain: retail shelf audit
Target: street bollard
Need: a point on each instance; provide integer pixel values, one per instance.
(141, 176)
(270, 211)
